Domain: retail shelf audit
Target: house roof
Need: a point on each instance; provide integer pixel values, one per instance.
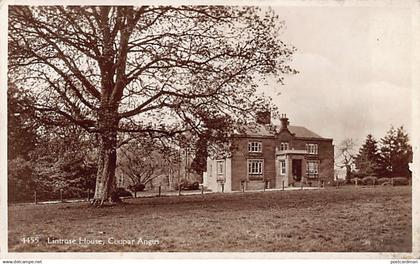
(264, 131)
(303, 132)
(258, 130)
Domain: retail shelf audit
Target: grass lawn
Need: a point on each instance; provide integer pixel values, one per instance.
(348, 219)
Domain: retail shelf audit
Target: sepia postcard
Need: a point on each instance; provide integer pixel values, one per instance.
(243, 129)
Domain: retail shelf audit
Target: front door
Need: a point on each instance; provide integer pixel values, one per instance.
(297, 169)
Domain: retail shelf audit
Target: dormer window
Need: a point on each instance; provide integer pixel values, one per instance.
(254, 146)
(284, 146)
(312, 148)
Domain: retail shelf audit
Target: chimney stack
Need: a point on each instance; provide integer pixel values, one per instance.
(284, 121)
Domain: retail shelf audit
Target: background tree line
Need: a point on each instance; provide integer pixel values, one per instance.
(45, 158)
(387, 157)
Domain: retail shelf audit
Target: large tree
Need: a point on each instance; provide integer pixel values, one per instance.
(345, 156)
(396, 153)
(367, 160)
(215, 133)
(149, 70)
(143, 160)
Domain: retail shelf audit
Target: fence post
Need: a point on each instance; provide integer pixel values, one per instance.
(323, 185)
(223, 187)
(160, 190)
(36, 201)
(179, 191)
(61, 195)
(355, 182)
(282, 185)
(392, 181)
(265, 183)
(301, 184)
(202, 189)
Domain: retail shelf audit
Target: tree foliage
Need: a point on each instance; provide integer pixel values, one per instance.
(346, 155)
(215, 134)
(368, 159)
(390, 157)
(21, 126)
(65, 160)
(142, 160)
(20, 182)
(396, 153)
(155, 61)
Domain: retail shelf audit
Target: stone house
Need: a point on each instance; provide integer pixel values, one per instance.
(269, 156)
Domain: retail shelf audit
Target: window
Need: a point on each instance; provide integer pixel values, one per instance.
(312, 169)
(220, 167)
(255, 167)
(312, 148)
(255, 146)
(282, 167)
(284, 146)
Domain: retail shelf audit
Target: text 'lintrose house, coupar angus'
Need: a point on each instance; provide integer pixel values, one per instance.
(269, 156)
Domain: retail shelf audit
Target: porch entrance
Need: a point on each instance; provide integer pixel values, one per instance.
(297, 169)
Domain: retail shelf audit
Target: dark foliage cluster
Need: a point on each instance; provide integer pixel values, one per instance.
(53, 161)
(390, 157)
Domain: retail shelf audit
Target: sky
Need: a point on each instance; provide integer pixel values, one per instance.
(355, 67)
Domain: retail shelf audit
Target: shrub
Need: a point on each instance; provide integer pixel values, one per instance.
(195, 186)
(370, 180)
(138, 187)
(188, 185)
(400, 181)
(121, 192)
(384, 181)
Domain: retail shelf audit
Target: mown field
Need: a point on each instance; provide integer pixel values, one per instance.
(349, 219)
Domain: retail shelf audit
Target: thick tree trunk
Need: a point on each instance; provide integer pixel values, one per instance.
(107, 160)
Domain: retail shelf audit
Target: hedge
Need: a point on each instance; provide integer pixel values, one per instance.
(370, 180)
